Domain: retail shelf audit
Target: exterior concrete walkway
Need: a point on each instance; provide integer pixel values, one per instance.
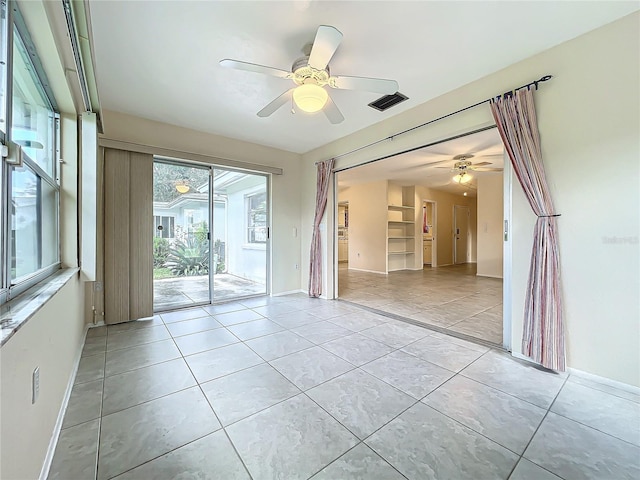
(172, 293)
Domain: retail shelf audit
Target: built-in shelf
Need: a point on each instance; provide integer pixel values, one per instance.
(401, 227)
(400, 207)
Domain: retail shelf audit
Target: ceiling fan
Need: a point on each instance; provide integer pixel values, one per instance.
(311, 75)
(463, 166)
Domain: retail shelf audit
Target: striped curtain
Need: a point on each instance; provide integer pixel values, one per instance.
(315, 258)
(543, 338)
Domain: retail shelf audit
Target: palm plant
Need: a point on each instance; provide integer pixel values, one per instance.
(189, 257)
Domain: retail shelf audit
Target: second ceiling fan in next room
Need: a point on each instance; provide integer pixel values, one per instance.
(311, 76)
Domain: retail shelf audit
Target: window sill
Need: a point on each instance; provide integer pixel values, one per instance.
(15, 313)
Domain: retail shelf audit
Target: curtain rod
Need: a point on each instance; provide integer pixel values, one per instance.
(391, 137)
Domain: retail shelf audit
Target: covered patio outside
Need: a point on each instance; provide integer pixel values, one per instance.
(170, 293)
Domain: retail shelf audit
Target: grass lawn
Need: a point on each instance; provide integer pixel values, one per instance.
(161, 273)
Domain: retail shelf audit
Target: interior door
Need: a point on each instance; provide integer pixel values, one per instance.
(240, 234)
(461, 234)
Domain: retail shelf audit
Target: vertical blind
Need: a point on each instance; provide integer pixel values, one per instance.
(128, 235)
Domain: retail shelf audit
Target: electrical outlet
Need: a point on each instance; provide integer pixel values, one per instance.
(97, 286)
(35, 385)
(296, 266)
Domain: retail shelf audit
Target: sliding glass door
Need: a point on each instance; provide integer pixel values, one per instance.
(240, 234)
(181, 246)
(211, 234)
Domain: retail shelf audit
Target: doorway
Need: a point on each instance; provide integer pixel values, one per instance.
(461, 234)
(210, 234)
(343, 233)
(429, 234)
(456, 287)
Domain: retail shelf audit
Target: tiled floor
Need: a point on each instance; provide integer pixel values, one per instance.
(451, 298)
(298, 388)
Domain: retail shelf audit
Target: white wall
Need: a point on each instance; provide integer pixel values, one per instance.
(367, 226)
(588, 117)
(490, 225)
(244, 260)
(285, 205)
(50, 340)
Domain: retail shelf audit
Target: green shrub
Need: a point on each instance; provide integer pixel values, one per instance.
(201, 231)
(160, 251)
(189, 257)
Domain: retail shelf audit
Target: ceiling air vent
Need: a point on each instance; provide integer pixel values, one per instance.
(388, 101)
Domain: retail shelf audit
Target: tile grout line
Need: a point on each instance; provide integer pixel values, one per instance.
(521, 362)
(536, 432)
(519, 455)
(591, 427)
(223, 428)
(614, 394)
(360, 441)
(104, 376)
(216, 415)
(321, 345)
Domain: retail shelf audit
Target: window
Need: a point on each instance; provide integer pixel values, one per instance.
(257, 218)
(30, 233)
(164, 226)
(4, 53)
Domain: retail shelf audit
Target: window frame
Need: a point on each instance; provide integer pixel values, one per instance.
(16, 26)
(7, 42)
(172, 226)
(247, 208)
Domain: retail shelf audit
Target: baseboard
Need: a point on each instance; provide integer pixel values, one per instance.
(290, 292)
(605, 381)
(367, 271)
(53, 443)
(589, 376)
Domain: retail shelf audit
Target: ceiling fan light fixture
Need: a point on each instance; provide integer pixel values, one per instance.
(310, 97)
(462, 178)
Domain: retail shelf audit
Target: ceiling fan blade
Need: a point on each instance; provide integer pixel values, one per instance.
(332, 112)
(481, 164)
(376, 85)
(252, 67)
(436, 163)
(485, 169)
(277, 103)
(324, 46)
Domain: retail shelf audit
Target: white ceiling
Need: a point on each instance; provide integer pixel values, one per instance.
(159, 59)
(416, 167)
